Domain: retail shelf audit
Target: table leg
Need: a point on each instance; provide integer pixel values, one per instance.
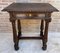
(15, 38)
(41, 28)
(19, 28)
(45, 36)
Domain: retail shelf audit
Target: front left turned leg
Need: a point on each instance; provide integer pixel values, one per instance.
(15, 38)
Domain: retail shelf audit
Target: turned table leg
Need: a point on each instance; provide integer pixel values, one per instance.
(15, 38)
(19, 28)
(41, 28)
(45, 35)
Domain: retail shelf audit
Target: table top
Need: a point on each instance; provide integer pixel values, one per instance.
(30, 7)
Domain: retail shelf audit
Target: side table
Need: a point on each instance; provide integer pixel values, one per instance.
(31, 9)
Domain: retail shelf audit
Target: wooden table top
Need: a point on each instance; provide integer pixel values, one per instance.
(30, 7)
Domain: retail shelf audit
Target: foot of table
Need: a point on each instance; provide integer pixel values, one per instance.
(16, 47)
(44, 46)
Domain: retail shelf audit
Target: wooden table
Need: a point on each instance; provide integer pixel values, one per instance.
(32, 10)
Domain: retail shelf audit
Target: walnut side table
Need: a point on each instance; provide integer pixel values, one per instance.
(33, 9)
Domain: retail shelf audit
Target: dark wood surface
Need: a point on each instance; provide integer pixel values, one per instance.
(30, 37)
(28, 7)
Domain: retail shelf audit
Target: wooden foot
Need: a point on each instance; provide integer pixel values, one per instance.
(44, 46)
(16, 47)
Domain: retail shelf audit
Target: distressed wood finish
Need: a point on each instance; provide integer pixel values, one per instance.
(33, 9)
(30, 7)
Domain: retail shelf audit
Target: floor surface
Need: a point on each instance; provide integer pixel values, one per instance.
(29, 46)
